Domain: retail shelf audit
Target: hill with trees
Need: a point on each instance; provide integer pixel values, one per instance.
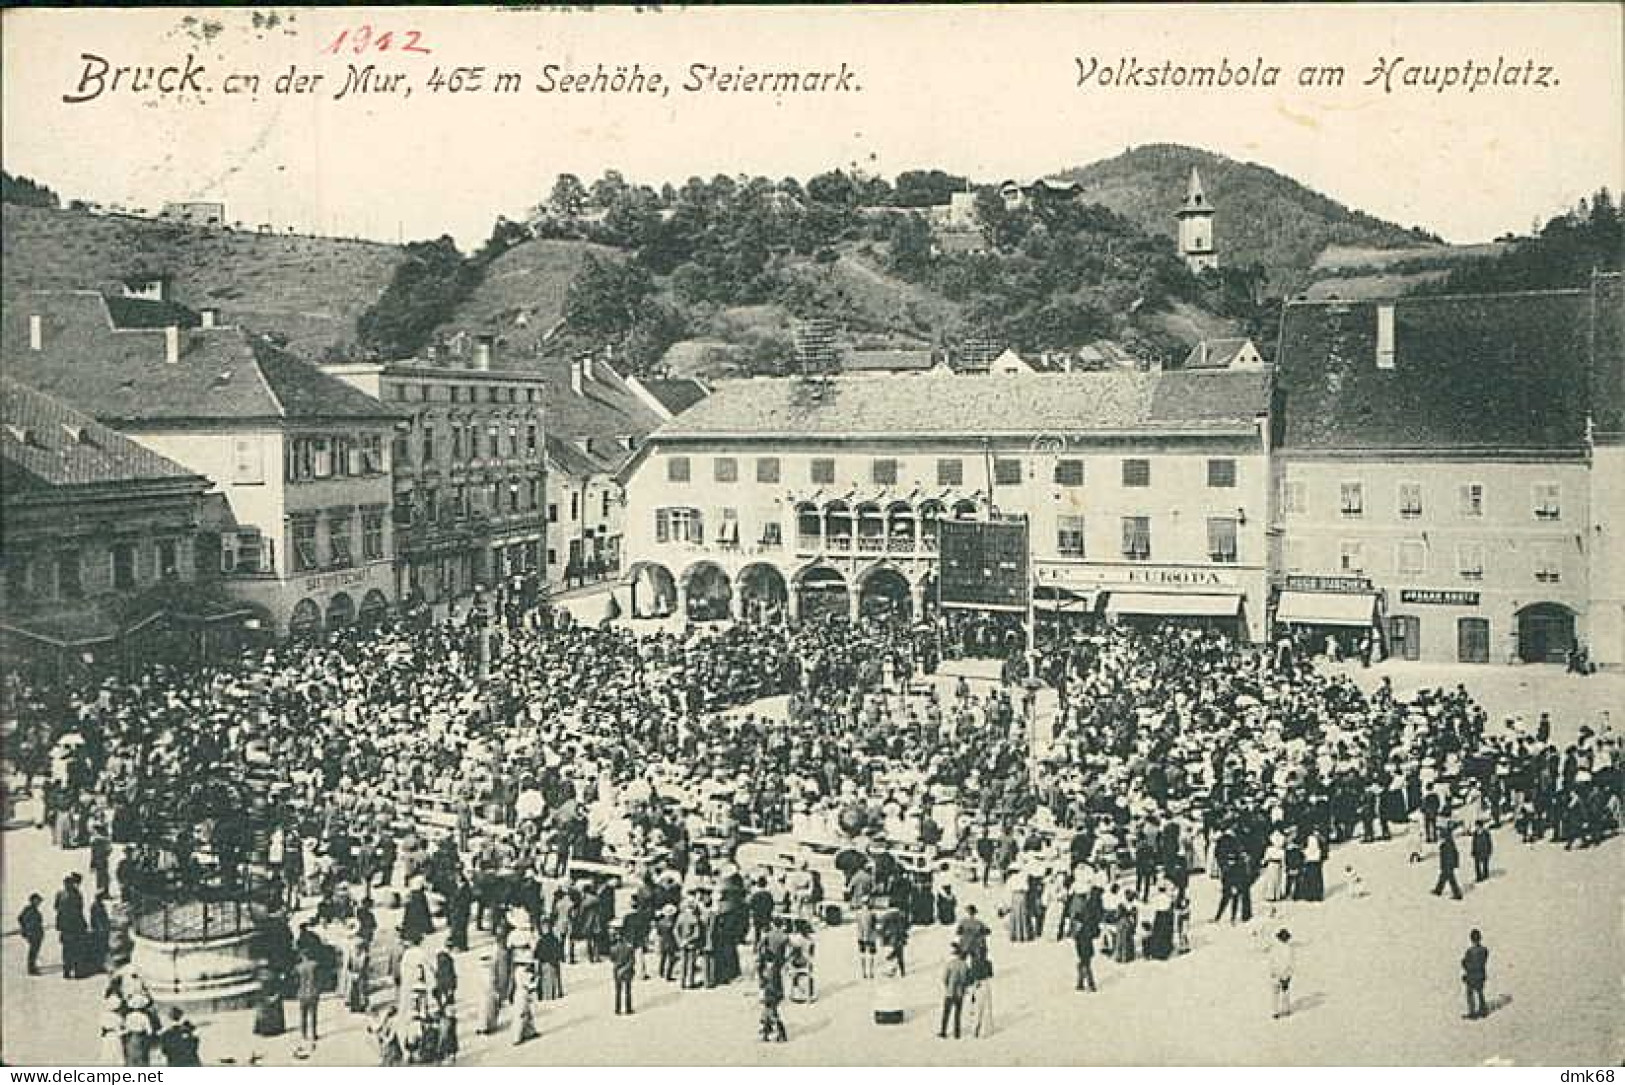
(1263, 217)
(1588, 237)
(733, 263)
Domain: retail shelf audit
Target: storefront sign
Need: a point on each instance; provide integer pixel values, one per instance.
(344, 578)
(1098, 577)
(1438, 597)
(1343, 584)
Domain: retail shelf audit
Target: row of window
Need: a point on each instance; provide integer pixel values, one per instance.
(306, 555)
(687, 525)
(62, 576)
(1222, 538)
(1411, 559)
(1546, 500)
(472, 442)
(1221, 473)
(334, 457)
(457, 502)
(575, 507)
(465, 393)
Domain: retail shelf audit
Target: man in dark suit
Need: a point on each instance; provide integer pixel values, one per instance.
(1483, 847)
(32, 926)
(955, 982)
(1449, 860)
(1083, 939)
(623, 959)
(1474, 974)
(71, 926)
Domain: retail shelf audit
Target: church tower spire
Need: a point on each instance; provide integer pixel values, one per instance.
(1195, 216)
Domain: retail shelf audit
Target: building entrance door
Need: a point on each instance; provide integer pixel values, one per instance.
(1473, 640)
(1404, 636)
(1545, 633)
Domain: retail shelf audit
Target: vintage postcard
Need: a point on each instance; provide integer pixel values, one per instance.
(812, 536)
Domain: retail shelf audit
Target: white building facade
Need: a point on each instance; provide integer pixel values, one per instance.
(1146, 494)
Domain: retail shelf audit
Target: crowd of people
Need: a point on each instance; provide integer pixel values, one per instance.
(592, 793)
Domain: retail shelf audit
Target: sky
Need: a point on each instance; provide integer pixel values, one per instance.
(989, 92)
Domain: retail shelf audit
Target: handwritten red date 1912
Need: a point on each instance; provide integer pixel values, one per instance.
(363, 39)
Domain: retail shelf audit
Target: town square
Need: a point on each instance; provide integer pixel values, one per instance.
(851, 568)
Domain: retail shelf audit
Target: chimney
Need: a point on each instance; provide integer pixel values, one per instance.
(172, 344)
(211, 317)
(1385, 335)
(482, 353)
(36, 332)
(576, 375)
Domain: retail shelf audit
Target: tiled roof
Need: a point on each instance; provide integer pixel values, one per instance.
(120, 375)
(306, 392)
(606, 407)
(564, 456)
(1608, 357)
(1470, 372)
(676, 394)
(46, 443)
(961, 405)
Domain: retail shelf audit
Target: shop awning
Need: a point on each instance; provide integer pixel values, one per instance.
(1063, 600)
(1326, 608)
(1173, 605)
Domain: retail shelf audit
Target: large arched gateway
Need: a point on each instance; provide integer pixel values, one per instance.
(1545, 633)
(821, 592)
(653, 590)
(884, 593)
(708, 591)
(763, 594)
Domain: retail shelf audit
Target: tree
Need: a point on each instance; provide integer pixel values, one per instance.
(568, 196)
(833, 187)
(27, 192)
(925, 188)
(424, 293)
(606, 296)
(909, 246)
(607, 189)
(505, 234)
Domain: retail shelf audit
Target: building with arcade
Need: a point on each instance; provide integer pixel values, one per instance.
(1146, 493)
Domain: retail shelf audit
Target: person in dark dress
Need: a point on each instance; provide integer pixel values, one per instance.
(100, 937)
(269, 1019)
(459, 908)
(416, 920)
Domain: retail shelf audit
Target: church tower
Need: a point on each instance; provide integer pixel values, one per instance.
(1196, 227)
